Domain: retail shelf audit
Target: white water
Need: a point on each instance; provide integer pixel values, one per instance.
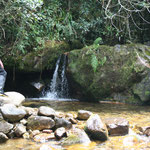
(58, 87)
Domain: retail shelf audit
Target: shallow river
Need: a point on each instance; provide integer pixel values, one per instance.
(136, 115)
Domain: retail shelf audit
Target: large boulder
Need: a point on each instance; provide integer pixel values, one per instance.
(12, 98)
(110, 72)
(117, 126)
(11, 113)
(96, 129)
(40, 123)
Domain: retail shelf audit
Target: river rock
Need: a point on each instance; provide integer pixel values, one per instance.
(12, 113)
(62, 122)
(1, 116)
(83, 114)
(3, 137)
(76, 136)
(117, 126)
(12, 98)
(96, 129)
(60, 132)
(46, 111)
(30, 111)
(19, 129)
(40, 123)
(5, 127)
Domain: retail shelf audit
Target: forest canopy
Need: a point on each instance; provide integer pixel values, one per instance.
(26, 24)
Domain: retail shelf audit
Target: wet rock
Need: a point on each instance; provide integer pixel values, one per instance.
(26, 135)
(3, 137)
(40, 123)
(62, 122)
(34, 133)
(30, 111)
(46, 111)
(76, 136)
(12, 98)
(96, 129)
(47, 131)
(117, 126)
(43, 137)
(5, 127)
(60, 132)
(84, 115)
(1, 117)
(72, 120)
(19, 130)
(12, 113)
(11, 134)
(147, 131)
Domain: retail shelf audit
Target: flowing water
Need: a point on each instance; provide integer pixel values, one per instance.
(58, 87)
(136, 115)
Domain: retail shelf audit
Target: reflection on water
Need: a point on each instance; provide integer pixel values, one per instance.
(136, 115)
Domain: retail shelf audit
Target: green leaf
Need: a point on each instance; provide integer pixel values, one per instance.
(94, 62)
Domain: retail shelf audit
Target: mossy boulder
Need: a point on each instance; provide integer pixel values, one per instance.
(104, 72)
(37, 61)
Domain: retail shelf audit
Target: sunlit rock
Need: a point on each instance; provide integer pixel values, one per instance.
(60, 132)
(30, 111)
(3, 137)
(43, 137)
(12, 98)
(40, 123)
(11, 113)
(96, 129)
(76, 136)
(62, 122)
(46, 111)
(5, 127)
(83, 114)
(117, 126)
(19, 130)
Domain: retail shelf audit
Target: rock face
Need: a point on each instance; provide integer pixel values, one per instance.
(11, 113)
(12, 98)
(104, 72)
(117, 126)
(96, 129)
(40, 123)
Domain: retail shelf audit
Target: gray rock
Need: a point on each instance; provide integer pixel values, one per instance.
(12, 113)
(12, 98)
(19, 130)
(5, 127)
(76, 136)
(60, 132)
(84, 115)
(62, 122)
(96, 129)
(117, 126)
(3, 137)
(40, 123)
(46, 111)
(30, 111)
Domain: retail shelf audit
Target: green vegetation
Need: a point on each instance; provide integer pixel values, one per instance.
(25, 25)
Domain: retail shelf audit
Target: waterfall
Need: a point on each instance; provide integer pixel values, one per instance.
(58, 87)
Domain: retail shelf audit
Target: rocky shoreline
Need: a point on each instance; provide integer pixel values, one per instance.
(44, 124)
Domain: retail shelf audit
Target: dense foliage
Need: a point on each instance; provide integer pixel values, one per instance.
(26, 24)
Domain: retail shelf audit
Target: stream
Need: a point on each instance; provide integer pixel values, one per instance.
(136, 115)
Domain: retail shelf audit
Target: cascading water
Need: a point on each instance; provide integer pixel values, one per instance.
(58, 87)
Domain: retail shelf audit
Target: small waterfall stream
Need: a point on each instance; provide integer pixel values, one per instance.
(58, 87)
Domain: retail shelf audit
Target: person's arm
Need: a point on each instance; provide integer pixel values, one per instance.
(1, 64)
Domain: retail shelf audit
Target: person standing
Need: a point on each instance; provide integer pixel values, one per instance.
(3, 75)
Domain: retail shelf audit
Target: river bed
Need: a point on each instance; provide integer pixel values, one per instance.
(138, 116)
